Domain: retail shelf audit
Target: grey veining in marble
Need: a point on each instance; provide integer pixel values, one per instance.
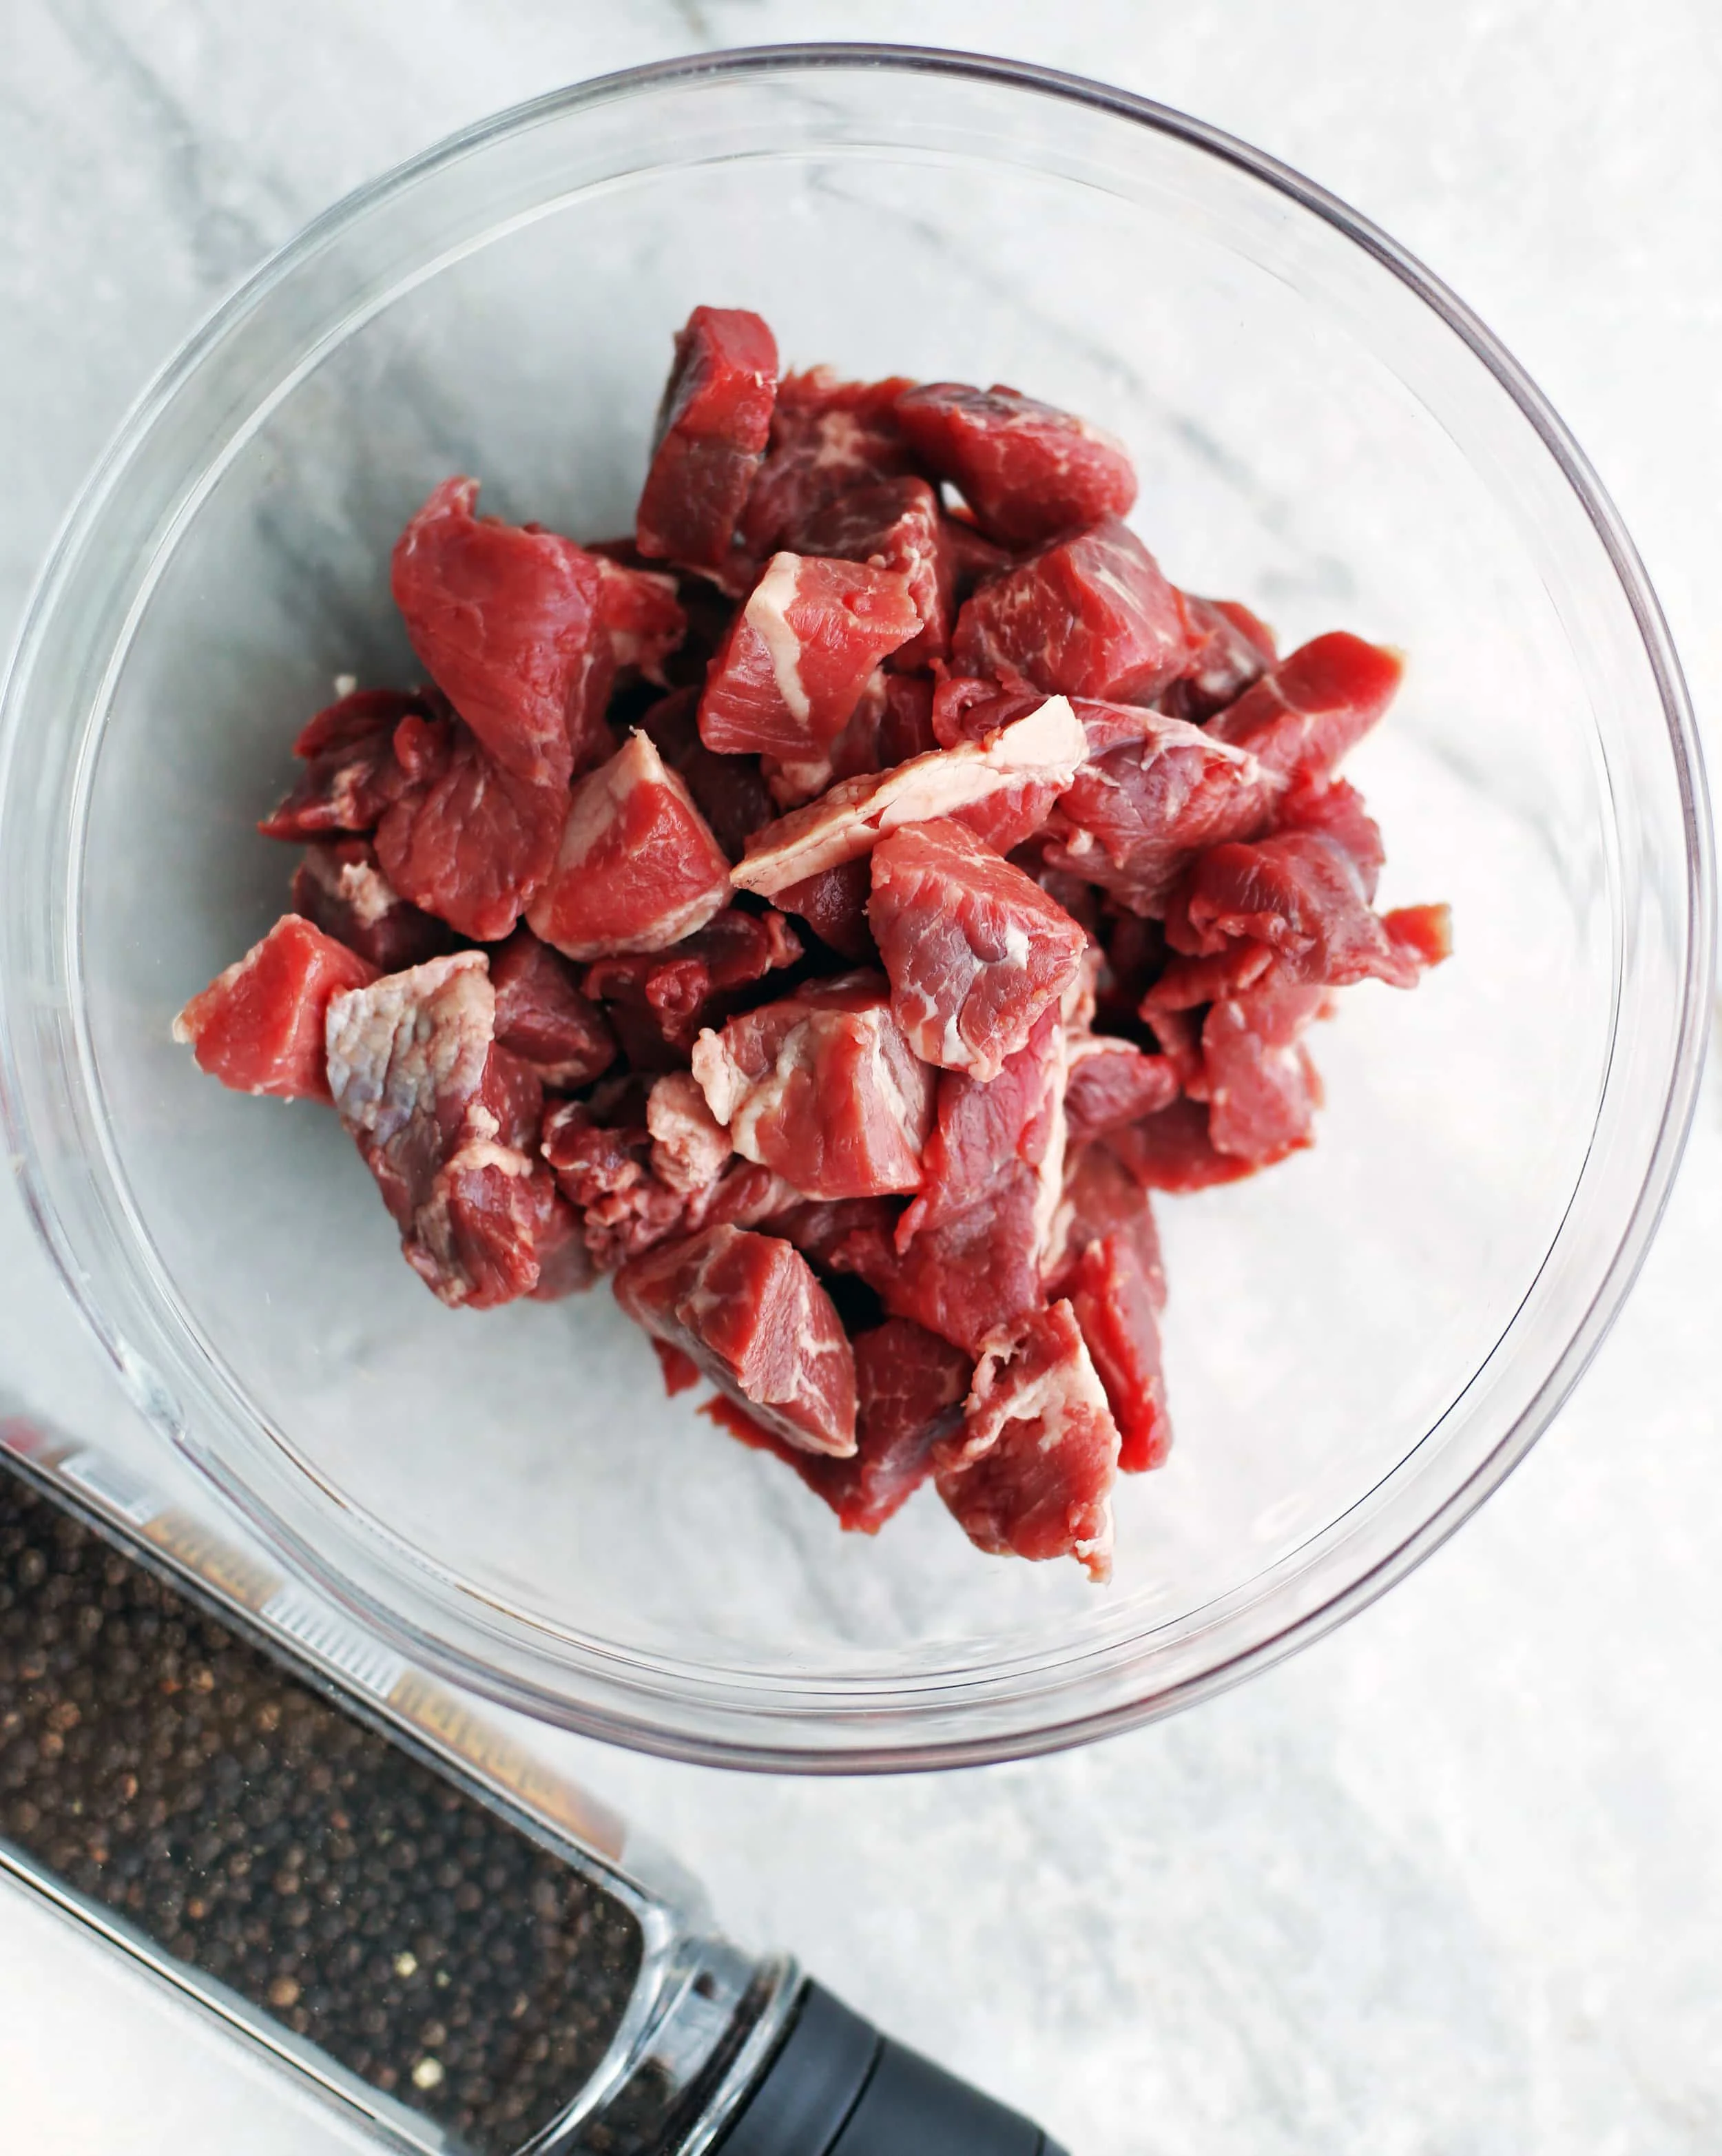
(1450, 1883)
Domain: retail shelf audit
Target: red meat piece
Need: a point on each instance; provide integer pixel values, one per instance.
(1336, 806)
(975, 950)
(476, 1242)
(350, 774)
(800, 653)
(639, 612)
(1302, 895)
(965, 1256)
(1421, 933)
(1112, 1082)
(894, 524)
(1032, 759)
(1113, 1295)
(510, 621)
(1188, 984)
(972, 557)
(542, 1018)
(564, 1264)
(464, 839)
(905, 726)
(1302, 717)
(827, 437)
(442, 1118)
(711, 434)
(747, 1310)
(729, 791)
(638, 869)
(677, 992)
(340, 887)
(1132, 818)
(605, 1171)
(258, 1026)
(690, 1148)
(1229, 650)
(1100, 1199)
(1262, 1089)
(910, 1389)
(821, 1088)
(834, 904)
(988, 1133)
(1032, 1471)
(1173, 1151)
(1089, 616)
(961, 1279)
(1028, 470)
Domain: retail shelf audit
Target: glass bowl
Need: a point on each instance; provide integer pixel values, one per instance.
(1359, 1344)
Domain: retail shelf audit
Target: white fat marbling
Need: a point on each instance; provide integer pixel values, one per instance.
(1448, 1883)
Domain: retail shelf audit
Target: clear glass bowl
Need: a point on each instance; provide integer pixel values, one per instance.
(1361, 1344)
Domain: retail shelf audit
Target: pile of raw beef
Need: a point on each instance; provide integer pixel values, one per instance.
(831, 912)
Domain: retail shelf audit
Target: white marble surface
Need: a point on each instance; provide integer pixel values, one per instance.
(1450, 1882)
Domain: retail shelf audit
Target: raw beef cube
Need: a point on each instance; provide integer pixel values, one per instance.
(1038, 755)
(1303, 715)
(961, 1279)
(905, 726)
(1188, 984)
(690, 1148)
(1026, 470)
(408, 1056)
(340, 887)
(987, 1133)
(639, 611)
(1230, 648)
(475, 1241)
(564, 1264)
(675, 992)
(1132, 818)
(1262, 1089)
(973, 559)
(711, 433)
(909, 1387)
(894, 524)
(1113, 1296)
(638, 868)
(1090, 616)
(258, 1026)
(464, 839)
(1336, 806)
(966, 1255)
(747, 1308)
(508, 621)
(834, 904)
(1421, 933)
(1032, 1471)
(441, 1119)
(822, 1089)
(350, 774)
(975, 950)
(1173, 1151)
(542, 1017)
(827, 436)
(1102, 1198)
(729, 791)
(604, 1170)
(799, 654)
(1112, 1082)
(1301, 893)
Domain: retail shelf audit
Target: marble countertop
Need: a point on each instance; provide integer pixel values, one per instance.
(1450, 1882)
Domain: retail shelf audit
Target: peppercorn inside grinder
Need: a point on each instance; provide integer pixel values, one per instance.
(215, 1771)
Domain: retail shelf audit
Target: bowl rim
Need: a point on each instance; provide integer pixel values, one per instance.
(898, 1753)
